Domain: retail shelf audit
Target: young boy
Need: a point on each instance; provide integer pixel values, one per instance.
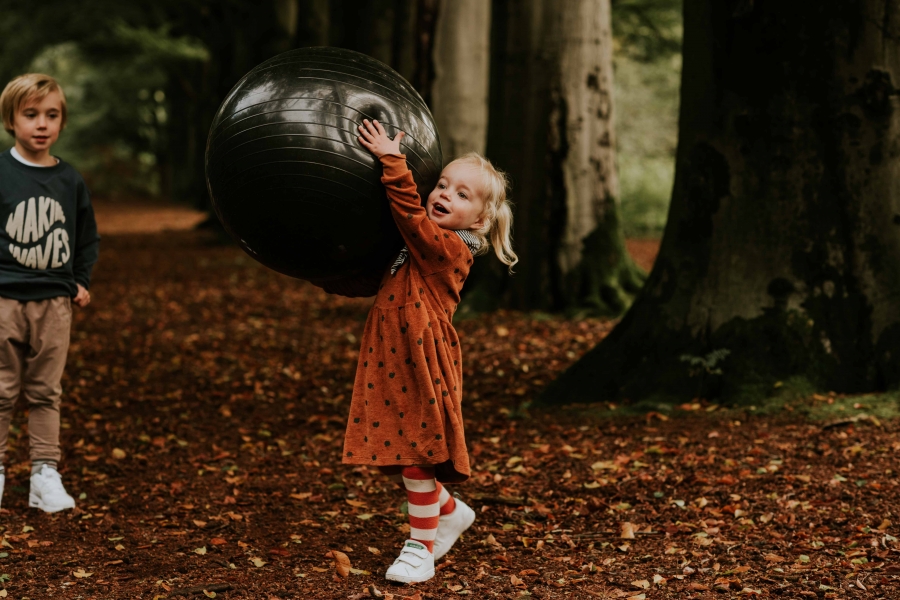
(48, 246)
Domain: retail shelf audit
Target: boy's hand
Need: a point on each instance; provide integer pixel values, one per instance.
(376, 141)
(83, 297)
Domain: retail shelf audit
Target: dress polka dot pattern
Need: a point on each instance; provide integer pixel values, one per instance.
(407, 396)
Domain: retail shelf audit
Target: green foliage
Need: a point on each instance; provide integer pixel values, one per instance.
(707, 370)
(116, 118)
(646, 102)
(705, 365)
(798, 395)
(880, 406)
(158, 44)
(114, 75)
(647, 30)
(143, 80)
(790, 390)
(797, 398)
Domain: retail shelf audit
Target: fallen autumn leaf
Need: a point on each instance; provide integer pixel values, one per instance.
(341, 562)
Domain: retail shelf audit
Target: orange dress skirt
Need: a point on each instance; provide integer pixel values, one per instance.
(407, 396)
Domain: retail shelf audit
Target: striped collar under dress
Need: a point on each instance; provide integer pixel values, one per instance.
(472, 242)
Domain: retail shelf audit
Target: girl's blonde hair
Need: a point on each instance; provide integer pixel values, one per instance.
(24, 88)
(497, 215)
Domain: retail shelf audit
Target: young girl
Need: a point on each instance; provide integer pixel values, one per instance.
(406, 414)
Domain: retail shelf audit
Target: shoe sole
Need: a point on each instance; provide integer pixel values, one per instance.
(405, 579)
(35, 502)
(470, 518)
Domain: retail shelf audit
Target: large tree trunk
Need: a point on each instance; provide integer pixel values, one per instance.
(462, 71)
(551, 129)
(405, 42)
(399, 33)
(783, 240)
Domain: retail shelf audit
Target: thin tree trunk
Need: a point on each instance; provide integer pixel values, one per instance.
(288, 13)
(551, 130)
(783, 240)
(405, 43)
(426, 21)
(462, 69)
(313, 23)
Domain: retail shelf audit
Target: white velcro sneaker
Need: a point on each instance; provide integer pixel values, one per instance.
(47, 492)
(415, 564)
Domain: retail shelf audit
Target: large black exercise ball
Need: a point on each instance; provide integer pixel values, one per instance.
(290, 181)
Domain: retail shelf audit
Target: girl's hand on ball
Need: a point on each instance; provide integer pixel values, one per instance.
(376, 141)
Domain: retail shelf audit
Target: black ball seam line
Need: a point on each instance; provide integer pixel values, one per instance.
(390, 75)
(409, 112)
(235, 174)
(214, 145)
(400, 99)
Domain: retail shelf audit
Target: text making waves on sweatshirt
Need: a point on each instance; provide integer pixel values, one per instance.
(48, 241)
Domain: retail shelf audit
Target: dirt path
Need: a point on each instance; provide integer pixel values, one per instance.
(117, 218)
(205, 404)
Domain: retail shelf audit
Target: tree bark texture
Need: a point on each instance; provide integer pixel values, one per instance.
(462, 71)
(783, 239)
(551, 129)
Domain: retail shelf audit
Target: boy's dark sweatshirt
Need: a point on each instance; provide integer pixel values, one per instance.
(48, 235)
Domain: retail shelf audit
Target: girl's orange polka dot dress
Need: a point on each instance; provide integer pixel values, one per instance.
(406, 407)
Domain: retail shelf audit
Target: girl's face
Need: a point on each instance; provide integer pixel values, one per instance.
(456, 201)
(37, 123)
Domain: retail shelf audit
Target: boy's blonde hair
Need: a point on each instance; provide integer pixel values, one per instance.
(498, 218)
(25, 88)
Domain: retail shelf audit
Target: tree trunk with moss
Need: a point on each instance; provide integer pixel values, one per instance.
(551, 129)
(780, 263)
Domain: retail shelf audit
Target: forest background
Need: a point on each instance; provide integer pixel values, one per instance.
(739, 430)
(119, 66)
(779, 264)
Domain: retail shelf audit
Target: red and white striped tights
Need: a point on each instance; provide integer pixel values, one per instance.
(427, 499)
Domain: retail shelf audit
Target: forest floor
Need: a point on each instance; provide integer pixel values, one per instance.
(205, 403)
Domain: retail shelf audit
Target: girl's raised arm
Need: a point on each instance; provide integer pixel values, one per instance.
(431, 247)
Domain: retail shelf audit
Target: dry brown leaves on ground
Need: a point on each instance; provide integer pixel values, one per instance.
(206, 399)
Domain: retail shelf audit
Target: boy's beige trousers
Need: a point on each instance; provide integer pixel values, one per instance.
(34, 341)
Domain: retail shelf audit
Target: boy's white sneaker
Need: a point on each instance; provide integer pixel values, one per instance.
(451, 526)
(47, 491)
(415, 564)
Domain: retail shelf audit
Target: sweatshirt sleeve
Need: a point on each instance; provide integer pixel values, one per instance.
(433, 249)
(87, 240)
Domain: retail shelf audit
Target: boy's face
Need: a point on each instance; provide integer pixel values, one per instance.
(37, 123)
(456, 202)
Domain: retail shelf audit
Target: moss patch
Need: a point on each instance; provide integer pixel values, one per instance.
(882, 406)
(795, 400)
